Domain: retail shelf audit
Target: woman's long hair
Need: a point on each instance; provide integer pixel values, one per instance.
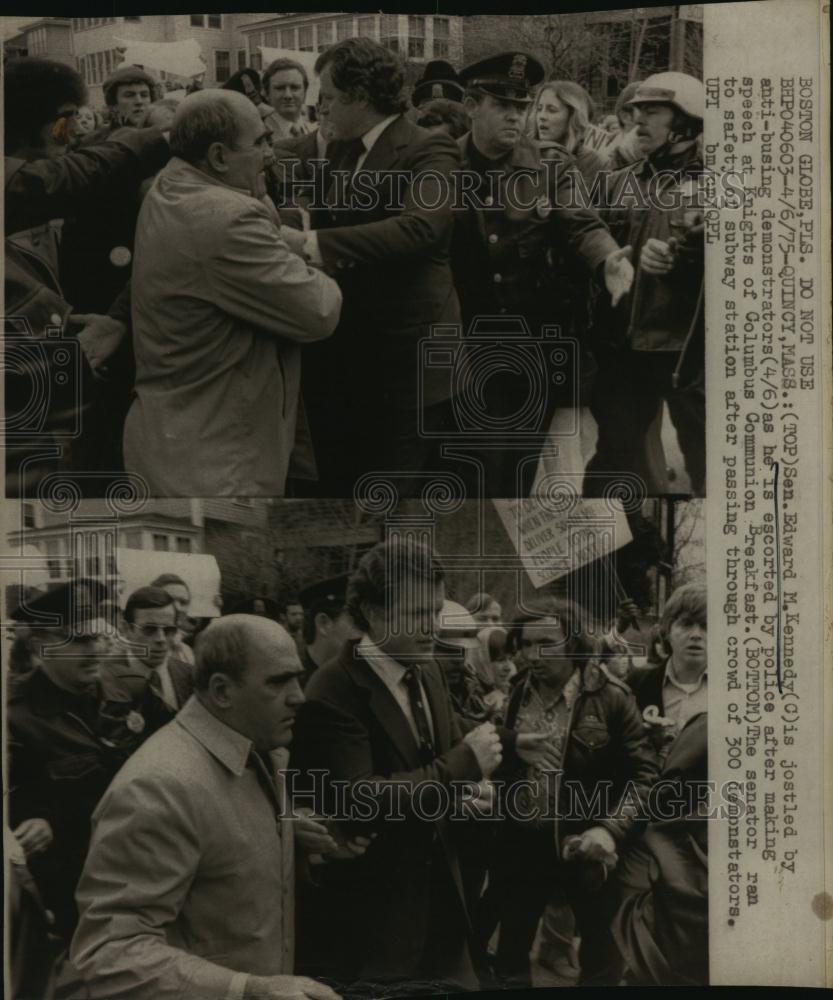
(580, 107)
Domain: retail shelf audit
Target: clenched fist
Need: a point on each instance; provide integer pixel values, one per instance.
(485, 744)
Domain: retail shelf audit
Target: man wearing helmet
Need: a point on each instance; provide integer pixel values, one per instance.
(650, 349)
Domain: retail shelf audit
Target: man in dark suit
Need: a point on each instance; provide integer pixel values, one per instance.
(389, 249)
(150, 627)
(379, 720)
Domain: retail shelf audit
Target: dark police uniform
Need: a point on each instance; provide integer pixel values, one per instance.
(64, 748)
(505, 234)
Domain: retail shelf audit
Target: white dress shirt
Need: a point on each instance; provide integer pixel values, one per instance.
(683, 701)
(392, 675)
(369, 140)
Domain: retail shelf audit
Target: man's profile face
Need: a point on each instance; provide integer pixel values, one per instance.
(153, 631)
(346, 119)
(496, 124)
(653, 125)
(246, 164)
(265, 702)
(407, 627)
(286, 93)
(132, 102)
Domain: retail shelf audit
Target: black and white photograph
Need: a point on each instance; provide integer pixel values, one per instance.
(254, 255)
(476, 773)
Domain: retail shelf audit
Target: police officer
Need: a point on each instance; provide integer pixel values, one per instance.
(515, 211)
(651, 348)
(68, 735)
(439, 81)
(327, 623)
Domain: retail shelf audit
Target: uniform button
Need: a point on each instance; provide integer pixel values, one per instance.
(493, 237)
(489, 202)
(497, 278)
(55, 319)
(120, 256)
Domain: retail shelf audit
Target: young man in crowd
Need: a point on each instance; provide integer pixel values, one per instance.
(149, 629)
(285, 86)
(327, 623)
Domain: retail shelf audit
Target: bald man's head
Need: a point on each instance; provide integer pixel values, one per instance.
(208, 117)
(229, 643)
(248, 676)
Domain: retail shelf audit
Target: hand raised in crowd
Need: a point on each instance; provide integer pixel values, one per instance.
(99, 337)
(286, 988)
(619, 273)
(595, 844)
(657, 257)
(532, 747)
(34, 835)
(484, 742)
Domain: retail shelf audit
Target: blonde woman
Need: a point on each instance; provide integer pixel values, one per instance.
(562, 113)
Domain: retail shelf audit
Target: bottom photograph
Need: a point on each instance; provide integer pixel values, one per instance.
(314, 748)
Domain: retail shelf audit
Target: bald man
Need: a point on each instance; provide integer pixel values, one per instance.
(188, 886)
(221, 307)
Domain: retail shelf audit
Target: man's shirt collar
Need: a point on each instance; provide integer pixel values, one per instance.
(229, 747)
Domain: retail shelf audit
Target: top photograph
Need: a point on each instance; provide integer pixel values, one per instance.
(325, 254)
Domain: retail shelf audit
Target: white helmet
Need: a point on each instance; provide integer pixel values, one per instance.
(681, 91)
(457, 626)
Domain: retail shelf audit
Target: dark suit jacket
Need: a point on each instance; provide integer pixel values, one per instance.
(352, 727)
(647, 686)
(132, 681)
(392, 264)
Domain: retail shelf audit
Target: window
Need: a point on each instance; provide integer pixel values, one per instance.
(390, 31)
(215, 20)
(325, 35)
(305, 38)
(161, 543)
(367, 27)
(99, 65)
(133, 539)
(344, 29)
(198, 20)
(442, 35)
(183, 543)
(288, 38)
(76, 24)
(131, 19)
(222, 65)
(416, 36)
(256, 61)
(241, 58)
(270, 39)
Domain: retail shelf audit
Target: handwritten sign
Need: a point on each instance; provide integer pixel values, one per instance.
(554, 539)
(599, 138)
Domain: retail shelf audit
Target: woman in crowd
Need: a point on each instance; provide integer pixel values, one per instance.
(563, 111)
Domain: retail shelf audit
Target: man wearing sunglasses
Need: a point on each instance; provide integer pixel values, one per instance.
(149, 630)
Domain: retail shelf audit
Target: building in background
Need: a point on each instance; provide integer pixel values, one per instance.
(416, 37)
(96, 42)
(46, 38)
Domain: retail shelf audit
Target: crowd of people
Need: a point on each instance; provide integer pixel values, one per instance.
(237, 294)
(368, 789)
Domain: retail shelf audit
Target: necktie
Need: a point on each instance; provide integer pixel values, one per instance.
(155, 684)
(263, 772)
(426, 738)
(343, 157)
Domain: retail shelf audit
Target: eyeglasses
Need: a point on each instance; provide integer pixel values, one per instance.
(149, 631)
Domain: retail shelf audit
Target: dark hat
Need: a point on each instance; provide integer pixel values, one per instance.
(72, 606)
(439, 79)
(329, 596)
(509, 76)
(122, 75)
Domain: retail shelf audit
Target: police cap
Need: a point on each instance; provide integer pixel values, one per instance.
(439, 80)
(509, 76)
(74, 606)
